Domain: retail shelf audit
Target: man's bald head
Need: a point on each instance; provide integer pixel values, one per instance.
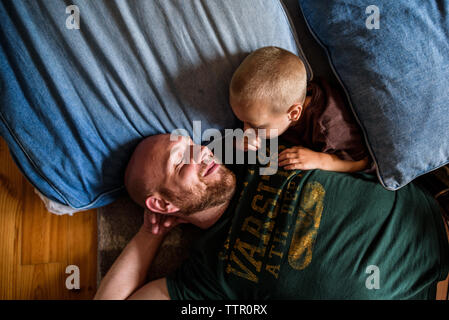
(143, 173)
(163, 176)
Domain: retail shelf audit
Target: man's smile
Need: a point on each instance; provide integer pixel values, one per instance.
(211, 168)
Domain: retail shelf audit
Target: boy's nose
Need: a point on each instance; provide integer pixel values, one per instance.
(255, 131)
(246, 126)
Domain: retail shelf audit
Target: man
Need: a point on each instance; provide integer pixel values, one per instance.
(292, 235)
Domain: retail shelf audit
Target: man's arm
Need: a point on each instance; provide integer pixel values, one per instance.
(129, 271)
(154, 290)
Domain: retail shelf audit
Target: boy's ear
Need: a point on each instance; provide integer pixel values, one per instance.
(294, 112)
(159, 205)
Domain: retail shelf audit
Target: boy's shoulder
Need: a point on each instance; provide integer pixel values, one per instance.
(327, 104)
(322, 102)
(328, 124)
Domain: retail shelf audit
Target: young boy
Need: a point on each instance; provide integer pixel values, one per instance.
(269, 91)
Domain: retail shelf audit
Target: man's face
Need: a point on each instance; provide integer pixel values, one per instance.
(192, 179)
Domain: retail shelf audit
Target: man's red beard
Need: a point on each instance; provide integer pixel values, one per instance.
(217, 192)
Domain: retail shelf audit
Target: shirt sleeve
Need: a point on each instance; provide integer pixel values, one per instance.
(339, 132)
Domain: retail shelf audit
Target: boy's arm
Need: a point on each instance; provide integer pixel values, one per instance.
(300, 158)
(331, 162)
(339, 130)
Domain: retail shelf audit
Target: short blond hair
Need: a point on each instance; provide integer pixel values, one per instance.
(273, 75)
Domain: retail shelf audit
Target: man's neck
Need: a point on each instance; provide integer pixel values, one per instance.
(207, 218)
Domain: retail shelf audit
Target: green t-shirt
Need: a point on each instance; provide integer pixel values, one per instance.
(318, 235)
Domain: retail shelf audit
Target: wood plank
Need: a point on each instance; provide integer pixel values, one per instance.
(41, 281)
(37, 246)
(11, 182)
(82, 244)
(442, 289)
(44, 235)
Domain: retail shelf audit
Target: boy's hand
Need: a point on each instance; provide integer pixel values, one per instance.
(300, 158)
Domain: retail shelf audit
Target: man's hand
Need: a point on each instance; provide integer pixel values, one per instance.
(300, 158)
(159, 224)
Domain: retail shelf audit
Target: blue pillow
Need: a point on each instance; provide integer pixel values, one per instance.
(75, 102)
(396, 77)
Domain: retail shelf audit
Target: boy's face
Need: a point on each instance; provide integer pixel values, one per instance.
(259, 116)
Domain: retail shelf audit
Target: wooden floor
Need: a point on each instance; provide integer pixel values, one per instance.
(37, 246)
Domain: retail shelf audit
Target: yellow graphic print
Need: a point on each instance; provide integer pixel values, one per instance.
(307, 224)
(271, 217)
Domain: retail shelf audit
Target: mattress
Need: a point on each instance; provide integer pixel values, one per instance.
(74, 102)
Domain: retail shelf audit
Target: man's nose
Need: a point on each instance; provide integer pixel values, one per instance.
(198, 153)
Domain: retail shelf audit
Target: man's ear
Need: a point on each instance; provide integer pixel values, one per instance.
(294, 112)
(159, 205)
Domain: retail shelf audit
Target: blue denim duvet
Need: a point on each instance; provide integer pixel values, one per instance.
(75, 102)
